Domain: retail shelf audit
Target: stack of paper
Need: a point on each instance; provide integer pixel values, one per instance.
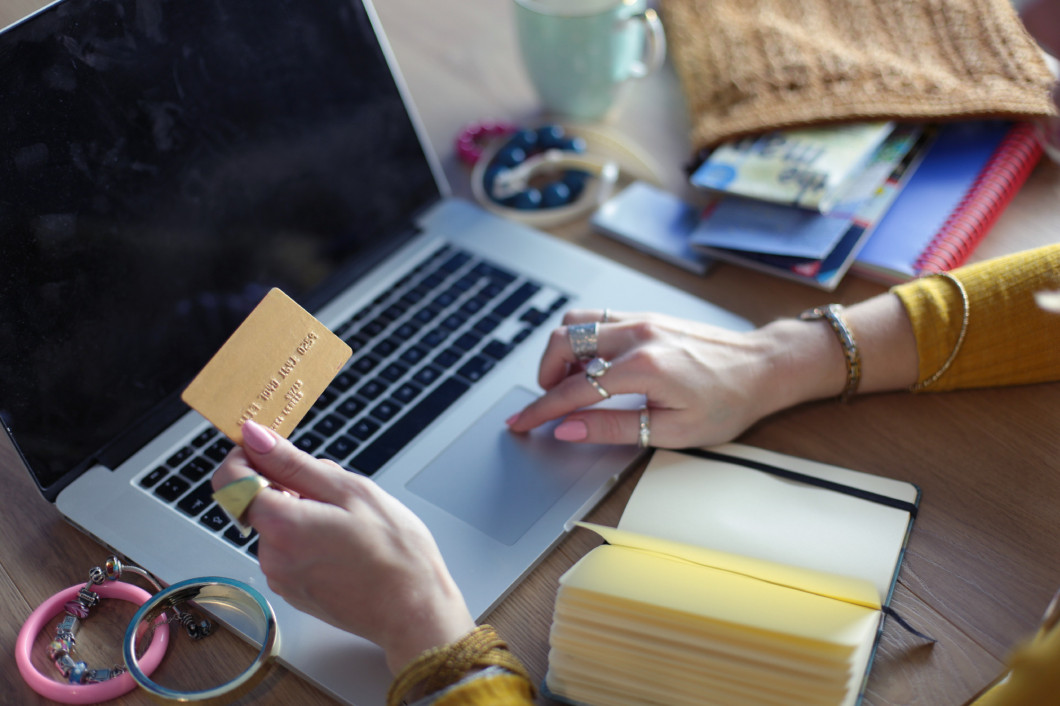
(750, 577)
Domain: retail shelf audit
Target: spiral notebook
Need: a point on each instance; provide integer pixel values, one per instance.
(966, 180)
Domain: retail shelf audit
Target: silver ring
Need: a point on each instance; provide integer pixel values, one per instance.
(606, 317)
(597, 386)
(597, 367)
(583, 339)
(644, 435)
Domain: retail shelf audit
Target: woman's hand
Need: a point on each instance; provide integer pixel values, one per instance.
(704, 385)
(339, 548)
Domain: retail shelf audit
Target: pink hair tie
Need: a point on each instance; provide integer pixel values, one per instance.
(470, 140)
(71, 693)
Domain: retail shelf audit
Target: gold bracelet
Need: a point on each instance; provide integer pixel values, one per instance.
(960, 337)
(833, 314)
(444, 666)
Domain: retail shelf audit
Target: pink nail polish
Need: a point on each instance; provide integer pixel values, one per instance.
(257, 438)
(512, 419)
(571, 431)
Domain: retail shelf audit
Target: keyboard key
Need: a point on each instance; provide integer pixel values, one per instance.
(180, 457)
(364, 428)
(372, 389)
(486, 324)
(350, 407)
(405, 331)
(455, 262)
(172, 488)
(497, 349)
(196, 468)
(376, 454)
(414, 354)
(385, 411)
(154, 476)
(365, 364)
(516, 299)
(344, 380)
(426, 375)
(200, 440)
(219, 449)
(342, 447)
(446, 358)
(467, 341)
(308, 442)
(394, 372)
(215, 519)
(197, 500)
(233, 535)
(485, 269)
(474, 369)
(407, 392)
(434, 338)
(329, 425)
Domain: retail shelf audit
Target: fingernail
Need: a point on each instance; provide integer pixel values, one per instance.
(571, 431)
(257, 438)
(512, 419)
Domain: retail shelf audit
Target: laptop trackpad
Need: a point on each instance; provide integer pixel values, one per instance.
(500, 482)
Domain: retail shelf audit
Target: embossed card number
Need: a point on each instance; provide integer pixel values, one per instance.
(271, 370)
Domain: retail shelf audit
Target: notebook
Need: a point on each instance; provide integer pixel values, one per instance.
(968, 177)
(167, 164)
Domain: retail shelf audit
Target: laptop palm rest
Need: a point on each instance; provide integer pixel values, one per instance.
(500, 482)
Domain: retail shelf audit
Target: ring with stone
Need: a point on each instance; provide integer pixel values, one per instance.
(644, 435)
(597, 367)
(583, 339)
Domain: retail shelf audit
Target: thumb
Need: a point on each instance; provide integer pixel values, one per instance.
(280, 461)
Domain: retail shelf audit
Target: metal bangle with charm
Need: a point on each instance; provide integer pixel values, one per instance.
(212, 590)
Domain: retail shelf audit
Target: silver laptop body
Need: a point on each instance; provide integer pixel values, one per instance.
(496, 502)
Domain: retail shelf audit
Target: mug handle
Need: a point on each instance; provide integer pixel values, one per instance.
(654, 44)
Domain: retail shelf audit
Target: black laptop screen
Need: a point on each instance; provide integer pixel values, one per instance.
(163, 163)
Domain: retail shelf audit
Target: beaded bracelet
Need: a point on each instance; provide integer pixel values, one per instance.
(83, 685)
(443, 666)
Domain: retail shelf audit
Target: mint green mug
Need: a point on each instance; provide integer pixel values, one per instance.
(580, 53)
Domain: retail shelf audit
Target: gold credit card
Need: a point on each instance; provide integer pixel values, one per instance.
(272, 369)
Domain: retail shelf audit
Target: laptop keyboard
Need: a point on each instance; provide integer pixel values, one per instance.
(416, 350)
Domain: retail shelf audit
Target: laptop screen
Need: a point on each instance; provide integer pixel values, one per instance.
(163, 164)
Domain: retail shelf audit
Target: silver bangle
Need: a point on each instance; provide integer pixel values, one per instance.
(206, 591)
(833, 315)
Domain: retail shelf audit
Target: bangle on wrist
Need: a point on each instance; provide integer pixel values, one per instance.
(443, 666)
(833, 315)
(933, 378)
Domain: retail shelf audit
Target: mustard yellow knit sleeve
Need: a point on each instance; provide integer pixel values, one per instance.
(1009, 339)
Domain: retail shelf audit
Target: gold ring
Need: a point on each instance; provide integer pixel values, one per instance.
(235, 497)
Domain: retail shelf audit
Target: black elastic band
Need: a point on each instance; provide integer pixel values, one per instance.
(803, 478)
(892, 613)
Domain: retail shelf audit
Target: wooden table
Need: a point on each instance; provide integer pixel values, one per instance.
(984, 558)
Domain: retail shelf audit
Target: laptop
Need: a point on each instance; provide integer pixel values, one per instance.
(165, 164)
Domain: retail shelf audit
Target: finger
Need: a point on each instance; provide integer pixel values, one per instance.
(586, 316)
(559, 360)
(574, 392)
(281, 462)
(614, 426)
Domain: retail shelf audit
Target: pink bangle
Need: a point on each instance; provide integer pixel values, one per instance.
(84, 693)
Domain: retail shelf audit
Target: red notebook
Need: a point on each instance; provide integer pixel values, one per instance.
(967, 178)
